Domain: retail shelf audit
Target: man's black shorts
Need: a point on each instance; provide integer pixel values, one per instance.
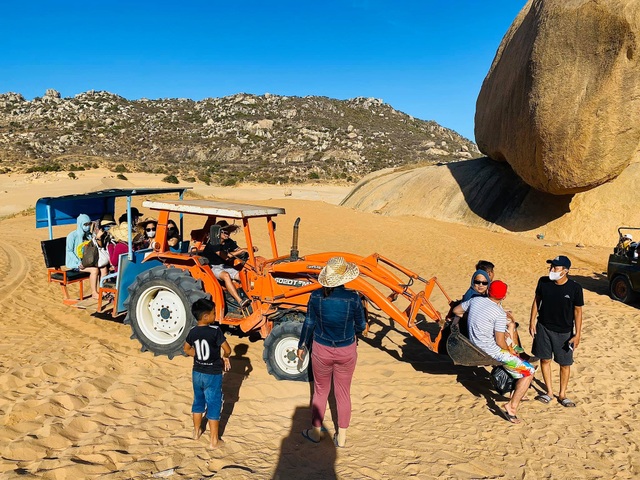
(548, 344)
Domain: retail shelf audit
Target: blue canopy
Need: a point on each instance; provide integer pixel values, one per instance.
(64, 210)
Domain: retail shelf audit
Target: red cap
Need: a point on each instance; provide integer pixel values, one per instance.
(498, 290)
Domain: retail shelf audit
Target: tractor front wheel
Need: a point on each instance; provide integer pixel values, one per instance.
(280, 353)
(159, 309)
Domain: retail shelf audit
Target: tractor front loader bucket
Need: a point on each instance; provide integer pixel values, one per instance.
(463, 352)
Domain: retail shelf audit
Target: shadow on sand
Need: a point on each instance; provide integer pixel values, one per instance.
(475, 379)
(495, 193)
(301, 458)
(596, 282)
(240, 370)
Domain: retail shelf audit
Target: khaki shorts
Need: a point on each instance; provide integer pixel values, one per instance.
(218, 269)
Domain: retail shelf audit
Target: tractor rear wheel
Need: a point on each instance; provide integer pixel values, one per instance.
(280, 353)
(159, 309)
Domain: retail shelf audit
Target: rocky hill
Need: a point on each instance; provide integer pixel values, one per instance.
(243, 137)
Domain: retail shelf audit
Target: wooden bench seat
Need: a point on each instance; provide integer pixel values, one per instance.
(54, 252)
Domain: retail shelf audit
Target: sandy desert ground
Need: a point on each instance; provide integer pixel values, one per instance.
(79, 400)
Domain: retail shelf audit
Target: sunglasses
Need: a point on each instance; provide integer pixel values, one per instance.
(480, 282)
(150, 229)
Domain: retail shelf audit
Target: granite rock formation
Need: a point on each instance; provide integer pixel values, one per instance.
(561, 102)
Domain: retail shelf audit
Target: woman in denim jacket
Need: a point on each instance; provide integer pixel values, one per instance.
(335, 315)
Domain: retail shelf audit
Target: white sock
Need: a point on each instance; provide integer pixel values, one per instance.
(342, 436)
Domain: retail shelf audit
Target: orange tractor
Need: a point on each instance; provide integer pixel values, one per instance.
(158, 299)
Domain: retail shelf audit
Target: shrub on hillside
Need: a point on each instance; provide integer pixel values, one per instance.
(204, 178)
(47, 167)
(171, 179)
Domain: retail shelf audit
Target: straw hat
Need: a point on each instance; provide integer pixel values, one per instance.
(120, 233)
(143, 224)
(107, 220)
(337, 272)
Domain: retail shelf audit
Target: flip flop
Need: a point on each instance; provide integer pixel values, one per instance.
(565, 402)
(544, 398)
(510, 418)
(305, 434)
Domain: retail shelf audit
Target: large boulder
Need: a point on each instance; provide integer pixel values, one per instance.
(561, 102)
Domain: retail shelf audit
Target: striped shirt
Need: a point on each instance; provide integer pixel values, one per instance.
(485, 318)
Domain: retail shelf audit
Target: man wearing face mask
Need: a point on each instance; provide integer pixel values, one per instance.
(556, 325)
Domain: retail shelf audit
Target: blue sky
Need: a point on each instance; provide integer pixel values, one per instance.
(425, 58)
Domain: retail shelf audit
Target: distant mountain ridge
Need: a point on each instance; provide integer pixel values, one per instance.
(266, 138)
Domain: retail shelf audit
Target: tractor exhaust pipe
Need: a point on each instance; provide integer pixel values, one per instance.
(294, 243)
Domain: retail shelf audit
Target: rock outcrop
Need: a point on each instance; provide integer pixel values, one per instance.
(561, 102)
(484, 193)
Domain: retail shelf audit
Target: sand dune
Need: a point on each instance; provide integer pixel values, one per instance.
(79, 400)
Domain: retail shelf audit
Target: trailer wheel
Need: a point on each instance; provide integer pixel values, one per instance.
(621, 290)
(280, 353)
(159, 309)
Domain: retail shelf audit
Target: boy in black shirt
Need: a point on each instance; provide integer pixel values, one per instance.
(203, 343)
(555, 313)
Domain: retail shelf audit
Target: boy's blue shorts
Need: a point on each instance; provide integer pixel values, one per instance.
(207, 394)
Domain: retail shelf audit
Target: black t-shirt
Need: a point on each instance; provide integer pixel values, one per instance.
(556, 302)
(207, 340)
(212, 253)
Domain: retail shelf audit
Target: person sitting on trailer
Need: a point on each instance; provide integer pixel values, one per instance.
(147, 232)
(73, 261)
(119, 245)
(173, 235)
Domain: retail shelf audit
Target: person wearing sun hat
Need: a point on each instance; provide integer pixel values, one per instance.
(120, 243)
(145, 233)
(487, 331)
(556, 325)
(335, 315)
